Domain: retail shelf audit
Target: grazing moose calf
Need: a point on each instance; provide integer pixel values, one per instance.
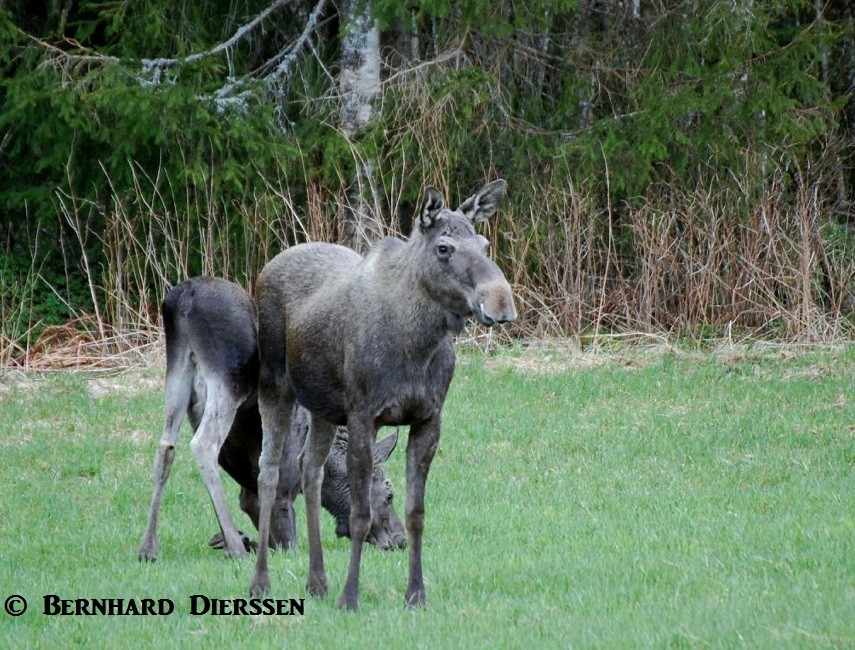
(239, 457)
(212, 376)
(367, 342)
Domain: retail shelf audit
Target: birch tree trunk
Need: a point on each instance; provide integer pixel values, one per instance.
(359, 86)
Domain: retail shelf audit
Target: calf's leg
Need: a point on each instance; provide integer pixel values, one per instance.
(220, 408)
(249, 504)
(179, 383)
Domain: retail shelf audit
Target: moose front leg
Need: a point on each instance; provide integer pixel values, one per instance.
(360, 464)
(421, 447)
(315, 452)
(276, 423)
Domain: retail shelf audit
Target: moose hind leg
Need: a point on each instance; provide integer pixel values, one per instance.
(421, 447)
(360, 466)
(249, 504)
(179, 382)
(220, 408)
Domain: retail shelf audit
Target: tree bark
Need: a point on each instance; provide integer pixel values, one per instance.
(359, 86)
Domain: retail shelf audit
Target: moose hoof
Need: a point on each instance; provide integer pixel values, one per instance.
(416, 599)
(148, 552)
(260, 586)
(317, 585)
(237, 553)
(348, 604)
(218, 541)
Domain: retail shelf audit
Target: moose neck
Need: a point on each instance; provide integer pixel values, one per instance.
(424, 323)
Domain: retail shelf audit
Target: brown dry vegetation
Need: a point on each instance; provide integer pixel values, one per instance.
(694, 272)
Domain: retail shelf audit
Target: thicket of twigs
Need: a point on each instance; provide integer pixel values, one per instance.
(694, 269)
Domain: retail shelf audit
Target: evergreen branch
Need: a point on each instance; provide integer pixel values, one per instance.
(162, 63)
(283, 69)
(234, 91)
(228, 94)
(456, 53)
(241, 31)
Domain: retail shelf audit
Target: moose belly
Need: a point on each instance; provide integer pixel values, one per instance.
(318, 398)
(407, 410)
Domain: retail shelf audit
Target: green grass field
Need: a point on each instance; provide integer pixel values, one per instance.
(653, 500)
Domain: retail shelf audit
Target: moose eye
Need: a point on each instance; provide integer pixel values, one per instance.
(444, 249)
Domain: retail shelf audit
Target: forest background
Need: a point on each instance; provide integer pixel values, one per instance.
(675, 168)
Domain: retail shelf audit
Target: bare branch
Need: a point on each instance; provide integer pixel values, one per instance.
(319, 61)
(234, 92)
(288, 56)
(239, 34)
(152, 66)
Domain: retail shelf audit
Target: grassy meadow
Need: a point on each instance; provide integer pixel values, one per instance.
(621, 499)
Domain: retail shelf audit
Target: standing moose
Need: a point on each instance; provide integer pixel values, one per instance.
(367, 342)
(212, 377)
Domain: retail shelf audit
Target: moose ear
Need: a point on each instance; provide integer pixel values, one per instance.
(384, 448)
(431, 206)
(484, 203)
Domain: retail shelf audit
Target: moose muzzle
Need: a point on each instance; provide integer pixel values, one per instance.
(495, 304)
